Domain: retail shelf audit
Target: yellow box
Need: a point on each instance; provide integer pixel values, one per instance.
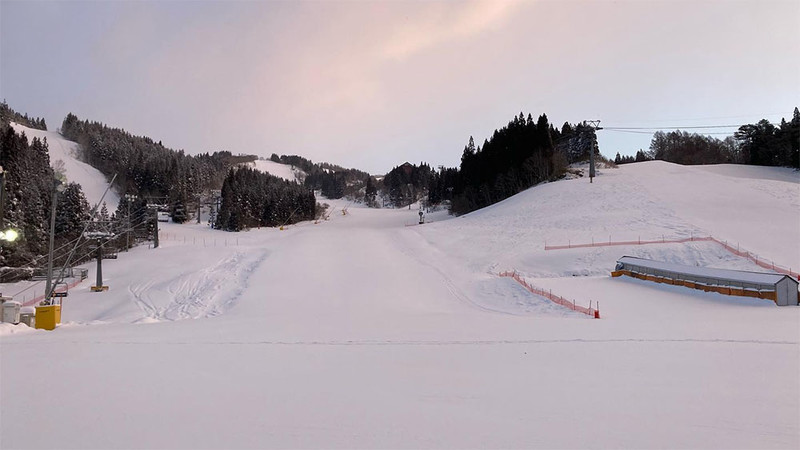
(47, 317)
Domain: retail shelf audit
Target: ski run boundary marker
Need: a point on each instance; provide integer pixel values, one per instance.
(591, 312)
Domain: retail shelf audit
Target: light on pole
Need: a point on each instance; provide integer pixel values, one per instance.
(9, 235)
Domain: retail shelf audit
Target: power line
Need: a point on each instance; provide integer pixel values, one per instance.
(678, 127)
(761, 115)
(672, 127)
(651, 132)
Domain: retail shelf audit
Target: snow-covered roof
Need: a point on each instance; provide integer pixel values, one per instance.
(707, 272)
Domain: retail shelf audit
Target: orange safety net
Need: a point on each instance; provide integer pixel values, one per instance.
(592, 312)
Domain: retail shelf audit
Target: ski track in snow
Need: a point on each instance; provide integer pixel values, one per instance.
(446, 279)
(197, 294)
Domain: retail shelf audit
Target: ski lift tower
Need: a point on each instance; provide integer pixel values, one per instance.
(129, 198)
(154, 208)
(216, 198)
(596, 125)
(99, 237)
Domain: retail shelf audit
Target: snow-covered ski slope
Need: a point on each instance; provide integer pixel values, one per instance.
(284, 171)
(361, 332)
(91, 180)
(755, 207)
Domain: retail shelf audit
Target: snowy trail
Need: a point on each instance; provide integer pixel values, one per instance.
(198, 293)
(92, 182)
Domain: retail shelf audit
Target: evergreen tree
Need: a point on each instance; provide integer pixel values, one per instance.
(145, 167)
(103, 216)
(370, 193)
(516, 157)
(29, 187)
(253, 199)
(8, 115)
(179, 214)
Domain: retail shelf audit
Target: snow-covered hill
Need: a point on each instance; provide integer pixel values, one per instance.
(284, 171)
(362, 332)
(757, 208)
(64, 152)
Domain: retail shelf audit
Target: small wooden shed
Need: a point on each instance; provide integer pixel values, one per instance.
(782, 289)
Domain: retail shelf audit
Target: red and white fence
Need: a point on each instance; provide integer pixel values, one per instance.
(198, 241)
(761, 262)
(611, 243)
(39, 298)
(591, 312)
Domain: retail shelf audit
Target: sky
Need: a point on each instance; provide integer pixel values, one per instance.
(372, 84)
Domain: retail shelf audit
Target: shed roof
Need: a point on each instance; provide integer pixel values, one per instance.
(708, 272)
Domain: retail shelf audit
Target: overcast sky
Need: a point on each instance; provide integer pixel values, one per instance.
(371, 84)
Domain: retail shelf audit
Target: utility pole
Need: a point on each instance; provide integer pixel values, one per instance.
(99, 279)
(154, 210)
(198, 208)
(596, 125)
(48, 290)
(2, 195)
(130, 198)
(214, 205)
(155, 230)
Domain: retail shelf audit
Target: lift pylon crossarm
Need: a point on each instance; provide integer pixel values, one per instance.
(98, 235)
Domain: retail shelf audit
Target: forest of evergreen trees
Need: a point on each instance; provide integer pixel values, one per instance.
(331, 180)
(764, 144)
(405, 184)
(641, 155)
(254, 199)
(146, 168)
(29, 186)
(760, 144)
(521, 154)
(9, 115)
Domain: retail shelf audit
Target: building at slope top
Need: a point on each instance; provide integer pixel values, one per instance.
(782, 289)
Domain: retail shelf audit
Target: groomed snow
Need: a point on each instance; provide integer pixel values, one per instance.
(92, 182)
(284, 171)
(362, 332)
